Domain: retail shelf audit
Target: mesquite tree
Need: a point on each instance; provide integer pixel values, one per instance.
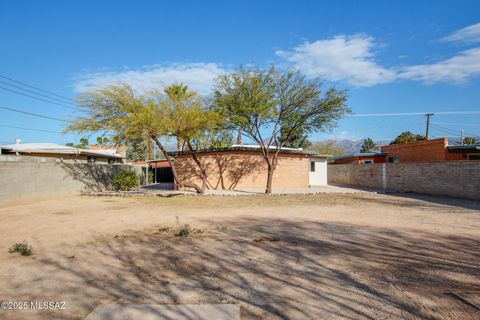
(124, 115)
(191, 121)
(271, 107)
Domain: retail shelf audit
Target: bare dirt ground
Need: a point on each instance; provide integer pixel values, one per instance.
(359, 256)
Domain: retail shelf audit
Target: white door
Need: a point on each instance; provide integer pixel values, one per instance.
(318, 172)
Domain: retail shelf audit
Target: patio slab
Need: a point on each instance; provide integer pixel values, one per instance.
(163, 312)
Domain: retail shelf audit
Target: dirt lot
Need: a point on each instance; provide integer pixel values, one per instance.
(362, 256)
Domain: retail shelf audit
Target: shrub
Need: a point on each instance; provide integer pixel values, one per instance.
(221, 227)
(184, 231)
(125, 180)
(22, 248)
(151, 177)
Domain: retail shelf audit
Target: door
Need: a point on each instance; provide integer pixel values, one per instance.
(318, 172)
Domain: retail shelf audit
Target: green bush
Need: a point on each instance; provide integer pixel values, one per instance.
(22, 248)
(125, 180)
(184, 231)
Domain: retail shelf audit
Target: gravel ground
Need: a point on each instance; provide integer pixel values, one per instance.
(326, 256)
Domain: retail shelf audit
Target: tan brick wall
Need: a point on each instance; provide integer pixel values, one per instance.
(245, 170)
(459, 179)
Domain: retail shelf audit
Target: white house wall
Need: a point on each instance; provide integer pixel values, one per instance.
(319, 177)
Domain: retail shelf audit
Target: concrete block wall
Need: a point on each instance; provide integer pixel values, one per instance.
(24, 177)
(459, 179)
(368, 175)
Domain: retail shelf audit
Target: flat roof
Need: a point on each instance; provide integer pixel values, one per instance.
(361, 154)
(56, 149)
(470, 148)
(253, 148)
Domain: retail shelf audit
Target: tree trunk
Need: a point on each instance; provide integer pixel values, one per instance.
(239, 136)
(178, 182)
(271, 166)
(203, 172)
(150, 149)
(268, 189)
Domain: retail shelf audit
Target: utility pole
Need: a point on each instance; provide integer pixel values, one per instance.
(461, 137)
(428, 115)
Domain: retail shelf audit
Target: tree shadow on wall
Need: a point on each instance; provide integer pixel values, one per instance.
(95, 177)
(228, 170)
(224, 171)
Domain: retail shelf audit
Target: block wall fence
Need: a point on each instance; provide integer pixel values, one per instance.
(37, 177)
(460, 179)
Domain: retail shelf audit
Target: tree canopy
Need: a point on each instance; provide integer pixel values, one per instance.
(263, 101)
(408, 137)
(471, 141)
(368, 146)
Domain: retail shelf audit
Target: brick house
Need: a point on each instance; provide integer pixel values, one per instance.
(361, 158)
(243, 168)
(433, 150)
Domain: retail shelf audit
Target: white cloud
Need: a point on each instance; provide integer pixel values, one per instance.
(342, 58)
(198, 76)
(468, 34)
(457, 69)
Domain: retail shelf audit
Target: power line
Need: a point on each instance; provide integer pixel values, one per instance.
(40, 94)
(33, 87)
(30, 129)
(457, 124)
(453, 132)
(395, 114)
(27, 95)
(34, 114)
(445, 130)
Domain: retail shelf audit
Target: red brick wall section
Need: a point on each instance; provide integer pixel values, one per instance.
(423, 151)
(245, 170)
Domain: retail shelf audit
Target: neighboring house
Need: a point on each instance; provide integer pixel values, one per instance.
(243, 167)
(433, 150)
(470, 152)
(360, 158)
(53, 150)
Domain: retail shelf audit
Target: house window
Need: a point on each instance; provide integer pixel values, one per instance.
(368, 161)
(91, 159)
(474, 157)
(312, 166)
(394, 159)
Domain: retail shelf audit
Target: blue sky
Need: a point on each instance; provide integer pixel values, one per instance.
(391, 56)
